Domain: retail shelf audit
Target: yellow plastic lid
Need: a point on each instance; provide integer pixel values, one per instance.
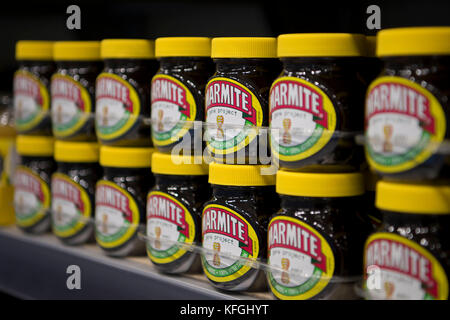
(76, 151)
(124, 157)
(239, 175)
(326, 185)
(413, 41)
(321, 45)
(127, 49)
(413, 198)
(183, 47)
(76, 50)
(244, 47)
(35, 146)
(371, 45)
(178, 165)
(34, 50)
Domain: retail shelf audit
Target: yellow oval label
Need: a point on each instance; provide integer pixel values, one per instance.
(230, 241)
(301, 260)
(404, 124)
(172, 105)
(31, 100)
(71, 206)
(116, 215)
(232, 113)
(117, 106)
(398, 268)
(302, 119)
(31, 197)
(169, 223)
(71, 105)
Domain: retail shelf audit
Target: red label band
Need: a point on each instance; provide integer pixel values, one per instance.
(295, 95)
(111, 88)
(289, 235)
(111, 197)
(169, 91)
(395, 256)
(163, 208)
(222, 93)
(224, 222)
(400, 99)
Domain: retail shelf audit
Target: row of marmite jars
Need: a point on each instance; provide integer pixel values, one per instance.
(406, 137)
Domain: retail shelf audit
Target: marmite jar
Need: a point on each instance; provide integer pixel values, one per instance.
(73, 191)
(316, 239)
(123, 92)
(315, 104)
(237, 99)
(178, 92)
(407, 106)
(120, 199)
(234, 225)
(32, 87)
(73, 89)
(32, 177)
(174, 211)
(408, 256)
(372, 213)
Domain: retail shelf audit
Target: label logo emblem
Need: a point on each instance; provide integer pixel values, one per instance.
(118, 106)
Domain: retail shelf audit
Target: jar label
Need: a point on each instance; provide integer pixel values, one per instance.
(117, 106)
(71, 206)
(169, 222)
(31, 100)
(116, 215)
(404, 124)
(71, 105)
(172, 104)
(232, 112)
(398, 268)
(229, 239)
(31, 197)
(302, 119)
(303, 257)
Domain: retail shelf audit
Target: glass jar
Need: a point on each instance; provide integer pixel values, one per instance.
(178, 92)
(315, 104)
(120, 199)
(73, 89)
(174, 211)
(316, 239)
(73, 191)
(237, 99)
(123, 92)
(32, 87)
(32, 183)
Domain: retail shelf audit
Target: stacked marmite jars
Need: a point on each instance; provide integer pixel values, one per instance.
(407, 137)
(175, 203)
(122, 100)
(234, 220)
(315, 241)
(32, 175)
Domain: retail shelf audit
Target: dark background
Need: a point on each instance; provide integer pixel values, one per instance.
(46, 20)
